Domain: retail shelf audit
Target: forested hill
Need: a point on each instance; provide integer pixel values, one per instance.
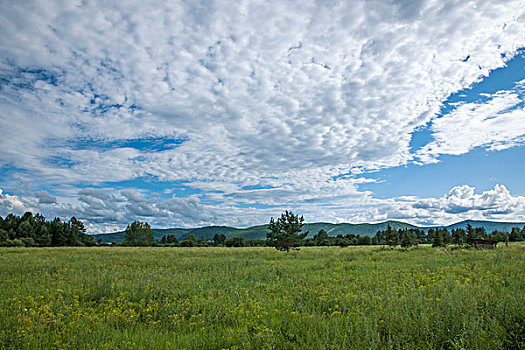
(259, 232)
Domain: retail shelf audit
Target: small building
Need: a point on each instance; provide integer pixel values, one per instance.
(483, 244)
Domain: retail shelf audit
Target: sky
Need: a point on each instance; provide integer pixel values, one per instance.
(196, 113)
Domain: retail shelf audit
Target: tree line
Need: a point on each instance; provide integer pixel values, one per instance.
(440, 237)
(35, 231)
(284, 233)
(140, 234)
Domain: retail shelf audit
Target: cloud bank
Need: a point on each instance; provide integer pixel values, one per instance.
(106, 210)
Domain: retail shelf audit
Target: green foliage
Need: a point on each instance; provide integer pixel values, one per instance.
(219, 239)
(438, 239)
(172, 239)
(407, 239)
(3, 235)
(285, 232)
(13, 243)
(88, 241)
(441, 238)
(169, 240)
(44, 235)
(321, 238)
(189, 241)
(28, 241)
(256, 298)
(498, 236)
(391, 236)
(25, 229)
(75, 232)
(480, 232)
(343, 242)
(349, 231)
(35, 231)
(470, 233)
(458, 236)
(238, 241)
(517, 235)
(364, 240)
(58, 233)
(139, 234)
(10, 223)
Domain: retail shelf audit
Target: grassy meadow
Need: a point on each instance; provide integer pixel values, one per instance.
(260, 298)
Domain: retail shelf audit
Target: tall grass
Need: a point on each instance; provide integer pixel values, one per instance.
(257, 298)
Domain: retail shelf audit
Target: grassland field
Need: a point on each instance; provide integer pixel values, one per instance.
(261, 298)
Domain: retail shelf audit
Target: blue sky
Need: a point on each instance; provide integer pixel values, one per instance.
(478, 168)
(194, 113)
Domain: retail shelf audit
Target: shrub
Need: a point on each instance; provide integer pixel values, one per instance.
(13, 243)
(235, 242)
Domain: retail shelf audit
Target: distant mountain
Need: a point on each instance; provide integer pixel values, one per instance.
(180, 233)
(489, 225)
(259, 232)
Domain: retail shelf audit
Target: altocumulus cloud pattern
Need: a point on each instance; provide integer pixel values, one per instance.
(186, 113)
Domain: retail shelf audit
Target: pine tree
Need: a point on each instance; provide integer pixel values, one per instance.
(76, 232)
(438, 239)
(456, 234)
(471, 235)
(139, 234)
(285, 232)
(25, 230)
(3, 235)
(172, 239)
(391, 236)
(407, 239)
(44, 236)
(321, 238)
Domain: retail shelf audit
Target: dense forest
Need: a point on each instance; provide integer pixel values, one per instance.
(439, 237)
(35, 231)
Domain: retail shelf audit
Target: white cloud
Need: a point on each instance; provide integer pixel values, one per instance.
(495, 124)
(16, 204)
(462, 199)
(45, 198)
(106, 210)
(278, 95)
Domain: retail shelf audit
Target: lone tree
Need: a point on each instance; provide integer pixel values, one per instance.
(285, 232)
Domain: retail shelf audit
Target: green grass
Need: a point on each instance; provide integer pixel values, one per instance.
(257, 298)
